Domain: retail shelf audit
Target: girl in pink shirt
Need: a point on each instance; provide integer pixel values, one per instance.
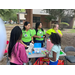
(16, 51)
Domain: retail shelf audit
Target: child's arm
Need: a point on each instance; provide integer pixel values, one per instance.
(23, 43)
(32, 40)
(54, 56)
(23, 55)
(37, 36)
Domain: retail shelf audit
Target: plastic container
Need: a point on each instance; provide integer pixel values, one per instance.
(37, 45)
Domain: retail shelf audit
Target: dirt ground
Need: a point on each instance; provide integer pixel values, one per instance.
(68, 39)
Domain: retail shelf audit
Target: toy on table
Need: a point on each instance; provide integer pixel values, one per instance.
(29, 53)
(38, 51)
(37, 46)
(30, 47)
(33, 52)
(45, 52)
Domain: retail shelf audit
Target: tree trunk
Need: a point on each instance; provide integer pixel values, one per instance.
(59, 20)
(9, 21)
(71, 23)
(49, 24)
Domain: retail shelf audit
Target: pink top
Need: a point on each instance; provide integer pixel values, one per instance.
(21, 56)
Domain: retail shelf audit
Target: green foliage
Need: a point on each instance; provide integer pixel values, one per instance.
(71, 31)
(21, 10)
(64, 23)
(54, 13)
(7, 14)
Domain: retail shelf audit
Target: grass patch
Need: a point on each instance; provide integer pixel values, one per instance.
(73, 26)
(71, 31)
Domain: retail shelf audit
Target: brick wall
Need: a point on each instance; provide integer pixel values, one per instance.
(45, 24)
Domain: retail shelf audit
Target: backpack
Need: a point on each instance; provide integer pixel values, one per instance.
(36, 34)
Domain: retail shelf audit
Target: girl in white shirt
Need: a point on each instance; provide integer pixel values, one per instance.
(55, 51)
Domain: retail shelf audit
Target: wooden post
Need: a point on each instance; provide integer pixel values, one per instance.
(29, 16)
(49, 24)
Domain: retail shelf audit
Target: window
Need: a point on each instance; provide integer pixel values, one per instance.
(21, 20)
(36, 19)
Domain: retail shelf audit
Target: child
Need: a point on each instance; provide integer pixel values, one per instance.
(55, 51)
(16, 51)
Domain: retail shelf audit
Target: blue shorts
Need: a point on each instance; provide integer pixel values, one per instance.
(53, 63)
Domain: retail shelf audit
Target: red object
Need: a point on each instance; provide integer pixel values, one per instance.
(60, 62)
(40, 61)
(5, 51)
(7, 42)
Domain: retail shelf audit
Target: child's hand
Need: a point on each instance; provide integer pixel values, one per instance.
(39, 37)
(43, 36)
(32, 42)
(56, 31)
(25, 45)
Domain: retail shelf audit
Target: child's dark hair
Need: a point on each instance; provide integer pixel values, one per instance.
(25, 24)
(14, 37)
(36, 27)
(55, 38)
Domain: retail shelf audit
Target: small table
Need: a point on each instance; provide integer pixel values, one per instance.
(42, 55)
(36, 55)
